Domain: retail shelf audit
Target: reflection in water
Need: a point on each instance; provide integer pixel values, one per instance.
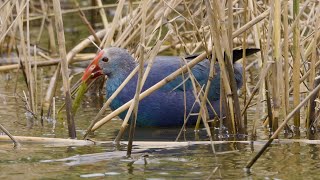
(193, 162)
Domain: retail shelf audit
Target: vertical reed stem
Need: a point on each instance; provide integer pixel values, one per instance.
(296, 64)
(286, 58)
(313, 83)
(140, 78)
(276, 56)
(244, 62)
(64, 67)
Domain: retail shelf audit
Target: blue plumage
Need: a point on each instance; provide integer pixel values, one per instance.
(166, 106)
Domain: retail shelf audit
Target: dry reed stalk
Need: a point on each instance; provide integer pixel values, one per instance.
(20, 11)
(50, 141)
(200, 99)
(142, 144)
(128, 36)
(140, 78)
(102, 14)
(25, 56)
(43, 21)
(68, 11)
(214, 20)
(203, 112)
(49, 62)
(276, 74)
(64, 68)
(5, 3)
(5, 15)
(187, 118)
(13, 139)
(244, 63)
(269, 106)
(114, 25)
(257, 36)
(41, 95)
(285, 100)
(35, 77)
(52, 87)
(263, 75)
(272, 123)
(52, 39)
(203, 101)
(229, 60)
(296, 64)
(31, 80)
(87, 23)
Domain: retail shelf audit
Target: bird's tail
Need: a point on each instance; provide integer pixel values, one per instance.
(238, 53)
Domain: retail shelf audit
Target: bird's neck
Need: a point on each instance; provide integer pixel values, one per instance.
(117, 78)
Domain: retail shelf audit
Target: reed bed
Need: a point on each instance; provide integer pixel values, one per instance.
(285, 84)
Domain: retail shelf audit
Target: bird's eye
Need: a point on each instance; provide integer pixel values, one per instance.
(105, 59)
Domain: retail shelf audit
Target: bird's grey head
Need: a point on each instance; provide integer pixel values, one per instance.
(116, 60)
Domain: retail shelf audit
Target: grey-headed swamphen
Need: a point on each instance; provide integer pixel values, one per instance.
(167, 106)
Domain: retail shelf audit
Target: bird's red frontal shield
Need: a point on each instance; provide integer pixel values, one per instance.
(93, 70)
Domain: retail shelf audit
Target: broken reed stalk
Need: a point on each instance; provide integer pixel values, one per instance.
(296, 64)
(87, 23)
(64, 68)
(15, 142)
(282, 125)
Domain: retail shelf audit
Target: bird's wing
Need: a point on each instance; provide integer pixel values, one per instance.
(165, 65)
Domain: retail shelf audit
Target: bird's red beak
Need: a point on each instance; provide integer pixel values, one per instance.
(93, 70)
